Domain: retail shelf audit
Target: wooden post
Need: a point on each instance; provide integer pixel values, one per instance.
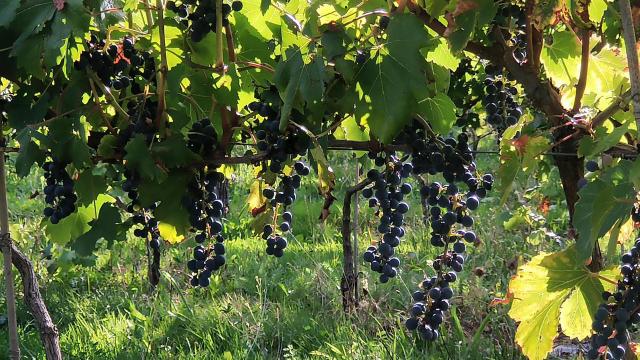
(14, 346)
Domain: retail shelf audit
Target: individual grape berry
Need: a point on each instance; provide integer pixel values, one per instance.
(592, 166)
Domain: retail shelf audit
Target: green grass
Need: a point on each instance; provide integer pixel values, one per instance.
(260, 307)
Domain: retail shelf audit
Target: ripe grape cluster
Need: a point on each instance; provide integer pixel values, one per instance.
(465, 89)
(282, 149)
(619, 312)
(118, 64)
(205, 215)
(59, 194)
(500, 104)
(387, 195)
(512, 19)
(282, 195)
(149, 230)
(450, 208)
(202, 138)
(201, 15)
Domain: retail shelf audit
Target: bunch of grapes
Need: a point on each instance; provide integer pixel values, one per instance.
(281, 147)
(282, 196)
(450, 209)
(202, 138)
(205, 215)
(500, 104)
(387, 195)
(149, 230)
(432, 300)
(201, 14)
(59, 194)
(117, 64)
(512, 20)
(619, 312)
(465, 90)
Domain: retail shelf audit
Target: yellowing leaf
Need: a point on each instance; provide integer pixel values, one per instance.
(256, 200)
(169, 233)
(535, 337)
(551, 290)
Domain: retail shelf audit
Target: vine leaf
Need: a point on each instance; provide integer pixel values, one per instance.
(561, 57)
(173, 152)
(76, 224)
(8, 12)
(29, 154)
(389, 81)
(603, 140)
(551, 290)
(256, 200)
(440, 111)
(89, 187)
(602, 203)
(168, 193)
(518, 156)
(107, 226)
(139, 159)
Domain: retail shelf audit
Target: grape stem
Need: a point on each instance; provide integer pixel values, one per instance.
(585, 35)
(219, 44)
(96, 101)
(110, 98)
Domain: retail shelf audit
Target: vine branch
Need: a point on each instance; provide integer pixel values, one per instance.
(629, 34)
(585, 35)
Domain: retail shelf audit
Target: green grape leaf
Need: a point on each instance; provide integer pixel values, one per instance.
(287, 79)
(54, 43)
(602, 203)
(89, 186)
(107, 146)
(561, 58)
(21, 112)
(76, 224)
(440, 111)
(169, 193)
(33, 14)
(8, 12)
(551, 290)
(390, 89)
(333, 44)
(29, 154)
(139, 159)
(107, 226)
(442, 55)
(169, 233)
(28, 53)
(173, 152)
(603, 140)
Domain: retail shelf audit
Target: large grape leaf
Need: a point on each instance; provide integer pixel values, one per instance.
(561, 58)
(440, 111)
(76, 224)
(8, 12)
(551, 290)
(603, 140)
(139, 159)
(602, 203)
(392, 82)
(169, 193)
(89, 186)
(106, 226)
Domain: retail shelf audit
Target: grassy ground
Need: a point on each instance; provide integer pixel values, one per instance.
(260, 307)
